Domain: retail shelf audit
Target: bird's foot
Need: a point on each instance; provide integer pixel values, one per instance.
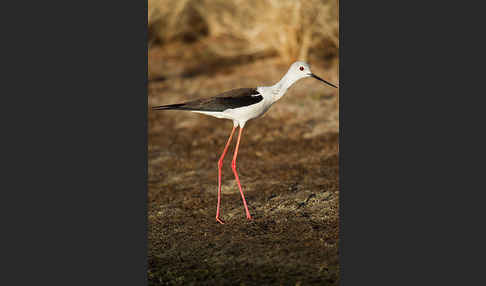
(248, 217)
(219, 220)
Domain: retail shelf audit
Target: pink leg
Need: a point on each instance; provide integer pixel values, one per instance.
(220, 164)
(233, 166)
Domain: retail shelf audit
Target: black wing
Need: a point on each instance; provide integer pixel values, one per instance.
(231, 99)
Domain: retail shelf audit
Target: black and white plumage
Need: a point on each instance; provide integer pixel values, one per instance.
(241, 105)
(231, 99)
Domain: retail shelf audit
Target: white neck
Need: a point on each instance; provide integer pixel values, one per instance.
(280, 88)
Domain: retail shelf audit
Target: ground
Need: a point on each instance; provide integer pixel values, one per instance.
(288, 165)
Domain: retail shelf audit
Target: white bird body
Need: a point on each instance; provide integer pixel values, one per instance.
(241, 115)
(271, 94)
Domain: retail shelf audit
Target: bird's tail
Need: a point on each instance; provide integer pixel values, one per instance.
(170, 106)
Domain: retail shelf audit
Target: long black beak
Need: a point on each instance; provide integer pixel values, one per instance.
(316, 77)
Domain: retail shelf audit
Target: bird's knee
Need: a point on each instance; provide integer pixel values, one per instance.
(233, 165)
(220, 163)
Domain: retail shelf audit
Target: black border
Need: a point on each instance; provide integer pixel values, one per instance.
(75, 190)
(408, 105)
(75, 144)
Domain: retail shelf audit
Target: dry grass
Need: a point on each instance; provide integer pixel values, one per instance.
(290, 28)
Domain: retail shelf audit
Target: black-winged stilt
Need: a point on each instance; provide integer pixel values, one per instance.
(241, 105)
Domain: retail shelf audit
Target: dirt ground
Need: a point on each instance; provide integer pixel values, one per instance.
(288, 165)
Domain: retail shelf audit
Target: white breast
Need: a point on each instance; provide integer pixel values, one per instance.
(240, 115)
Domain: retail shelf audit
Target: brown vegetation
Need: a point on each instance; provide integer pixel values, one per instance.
(291, 28)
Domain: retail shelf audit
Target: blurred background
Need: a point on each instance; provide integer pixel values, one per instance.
(233, 32)
(288, 159)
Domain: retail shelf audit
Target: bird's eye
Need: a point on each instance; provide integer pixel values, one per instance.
(301, 68)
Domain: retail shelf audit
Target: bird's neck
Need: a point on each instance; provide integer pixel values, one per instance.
(280, 88)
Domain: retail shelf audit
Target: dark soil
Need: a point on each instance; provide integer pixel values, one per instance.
(288, 165)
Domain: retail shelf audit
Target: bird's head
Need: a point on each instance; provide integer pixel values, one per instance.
(299, 70)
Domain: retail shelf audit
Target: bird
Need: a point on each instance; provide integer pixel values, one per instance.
(241, 105)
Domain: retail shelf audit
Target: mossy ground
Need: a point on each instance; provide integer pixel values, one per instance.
(288, 165)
